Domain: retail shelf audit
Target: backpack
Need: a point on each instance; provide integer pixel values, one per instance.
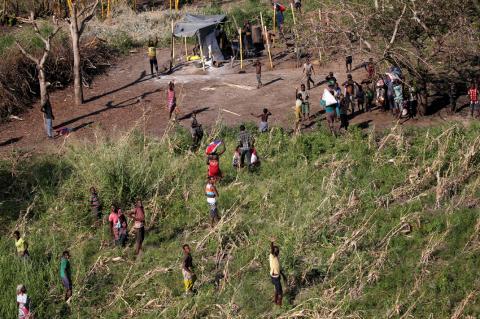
(281, 7)
(213, 167)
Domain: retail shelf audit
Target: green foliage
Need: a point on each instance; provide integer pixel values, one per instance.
(337, 207)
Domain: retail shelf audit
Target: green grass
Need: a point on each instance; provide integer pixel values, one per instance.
(335, 206)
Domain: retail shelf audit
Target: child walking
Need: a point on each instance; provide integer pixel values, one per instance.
(212, 193)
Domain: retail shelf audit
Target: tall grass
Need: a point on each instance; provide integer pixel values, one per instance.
(369, 225)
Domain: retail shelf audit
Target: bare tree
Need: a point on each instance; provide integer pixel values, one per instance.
(77, 21)
(40, 62)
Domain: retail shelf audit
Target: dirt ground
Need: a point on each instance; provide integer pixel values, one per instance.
(127, 96)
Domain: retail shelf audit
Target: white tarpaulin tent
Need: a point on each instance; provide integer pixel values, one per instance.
(204, 27)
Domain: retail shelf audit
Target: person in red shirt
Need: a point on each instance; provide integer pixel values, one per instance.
(113, 221)
(473, 94)
(213, 162)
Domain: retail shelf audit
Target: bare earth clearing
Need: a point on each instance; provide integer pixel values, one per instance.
(118, 100)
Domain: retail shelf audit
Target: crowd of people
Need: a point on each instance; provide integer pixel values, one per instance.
(117, 220)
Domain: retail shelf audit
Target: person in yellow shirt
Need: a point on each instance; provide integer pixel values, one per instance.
(276, 272)
(21, 245)
(152, 55)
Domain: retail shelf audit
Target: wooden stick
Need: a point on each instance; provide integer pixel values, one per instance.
(295, 33)
(173, 44)
(108, 8)
(186, 50)
(268, 48)
(103, 10)
(176, 5)
(231, 112)
(261, 20)
(241, 48)
(293, 14)
(172, 53)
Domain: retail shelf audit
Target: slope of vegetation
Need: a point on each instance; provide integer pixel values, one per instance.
(370, 225)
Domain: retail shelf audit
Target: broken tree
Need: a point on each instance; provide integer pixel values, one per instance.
(77, 21)
(40, 62)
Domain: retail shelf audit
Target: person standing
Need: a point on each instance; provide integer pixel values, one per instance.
(23, 302)
(343, 112)
(331, 80)
(398, 98)
(279, 9)
(369, 95)
(187, 270)
(349, 86)
(245, 143)
(348, 63)
(171, 99)
(123, 229)
(21, 245)
(370, 68)
(258, 72)
(276, 272)
(197, 133)
(330, 112)
(138, 216)
(48, 116)
(473, 95)
(66, 274)
(360, 96)
(113, 223)
(263, 126)
(152, 55)
(413, 100)
(305, 101)
(308, 70)
(95, 204)
(212, 194)
(297, 109)
(247, 35)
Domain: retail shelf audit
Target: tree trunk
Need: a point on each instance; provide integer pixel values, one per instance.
(77, 74)
(43, 86)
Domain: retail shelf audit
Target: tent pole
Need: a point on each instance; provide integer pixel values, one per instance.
(268, 48)
(261, 21)
(172, 54)
(173, 44)
(293, 14)
(241, 47)
(295, 33)
(186, 50)
(201, 51)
